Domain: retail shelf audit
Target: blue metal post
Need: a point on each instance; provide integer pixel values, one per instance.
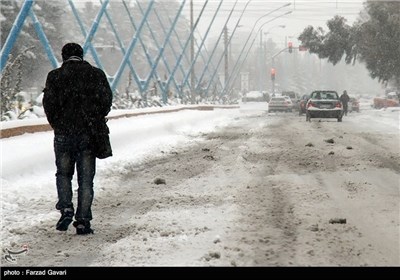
(152, 64)
(139, 82)
(206, 61)
(236, 72)
(43, 40)
(220, 60)
(14, 32)
(186, 44)
(215, 47)
(161, 52)
(131, 47)
(201, 45)
(229, 42)
(176, 56)
(181, 46)
(179, 41)
(122, 47)
(84, 33)
(177, 87)
(95, 25)
(185, 55)
(172, 48)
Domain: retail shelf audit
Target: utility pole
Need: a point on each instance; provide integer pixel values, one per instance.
(192, 80)
(260, 74)
(273, 73)
(226, 41)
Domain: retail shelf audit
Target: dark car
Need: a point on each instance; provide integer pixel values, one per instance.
(324, 104)
(303, 103)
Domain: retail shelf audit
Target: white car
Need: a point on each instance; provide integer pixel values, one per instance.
(254, 96)
(290, 102)
(279, 104)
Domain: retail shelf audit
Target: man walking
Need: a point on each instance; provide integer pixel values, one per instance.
(75, 95)
(345, 101)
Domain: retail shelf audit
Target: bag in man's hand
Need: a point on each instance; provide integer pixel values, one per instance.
(100, 139)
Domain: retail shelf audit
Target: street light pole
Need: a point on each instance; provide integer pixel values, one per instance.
(264, 66)
(262, 57)
(251, 33)
(237, 69)
(226, 41)
(212, 54)
(228, 48)
(192, 94)
(229, 39)
(260, 73)
(268, 31)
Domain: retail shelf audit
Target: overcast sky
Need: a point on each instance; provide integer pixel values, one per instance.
(304, 13)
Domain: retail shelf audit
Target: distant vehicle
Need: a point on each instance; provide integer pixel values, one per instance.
(324, 104)
(294, 96)
(279, 104)
(291, 105)
(254, 96)
(354, 105)
(391, 100)
(303, 103)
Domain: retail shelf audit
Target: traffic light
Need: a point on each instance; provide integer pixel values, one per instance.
(272, 73)
(290, 46)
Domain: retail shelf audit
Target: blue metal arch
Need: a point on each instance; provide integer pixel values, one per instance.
(89, 34)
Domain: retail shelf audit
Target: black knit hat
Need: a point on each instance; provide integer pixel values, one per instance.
(71, 49)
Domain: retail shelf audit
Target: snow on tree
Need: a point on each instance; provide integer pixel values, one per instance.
(49, 14)
(10, 87)
(373, 39)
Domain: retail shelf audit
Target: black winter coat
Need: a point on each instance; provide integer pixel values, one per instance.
(344, 98)
(76, 95)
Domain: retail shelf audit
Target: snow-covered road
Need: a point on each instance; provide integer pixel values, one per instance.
(242, 188)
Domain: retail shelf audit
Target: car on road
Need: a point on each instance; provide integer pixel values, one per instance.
(294, 97)
(384, 102)
(354, 105)
(255, 96)
(324, 104)
(291, 105)
(279, 104)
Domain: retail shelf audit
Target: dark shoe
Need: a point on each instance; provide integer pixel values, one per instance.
(83, 228)
(66, 218)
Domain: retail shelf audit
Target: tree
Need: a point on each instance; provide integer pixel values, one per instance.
(373, 39)
(49, 14)
(378, 40)
(10, 85)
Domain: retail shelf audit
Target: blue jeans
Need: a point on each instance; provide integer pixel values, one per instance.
(70, 151)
